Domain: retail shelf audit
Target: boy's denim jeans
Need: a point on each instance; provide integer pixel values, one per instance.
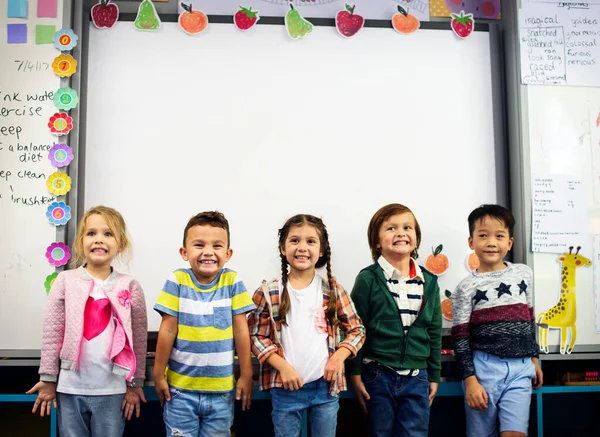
(194, 414)
(314, 397)
(87, 416)
(398, 405)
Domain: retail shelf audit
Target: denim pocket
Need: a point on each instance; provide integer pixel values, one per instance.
(222, 317)
(370, 374)
(174, 392)
(227, 397)
(422, 376)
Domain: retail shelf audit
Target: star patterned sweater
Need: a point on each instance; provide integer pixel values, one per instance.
(493, 313)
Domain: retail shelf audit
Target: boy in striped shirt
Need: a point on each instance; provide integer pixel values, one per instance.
(203, 311)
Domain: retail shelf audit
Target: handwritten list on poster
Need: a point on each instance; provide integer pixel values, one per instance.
(560, 44)
(559, 213)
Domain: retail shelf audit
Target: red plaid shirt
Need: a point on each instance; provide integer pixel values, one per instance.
(265, 330)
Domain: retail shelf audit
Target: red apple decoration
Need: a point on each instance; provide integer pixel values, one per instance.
(347, 22)
(105, 14)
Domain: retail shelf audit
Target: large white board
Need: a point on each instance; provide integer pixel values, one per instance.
(261, 127)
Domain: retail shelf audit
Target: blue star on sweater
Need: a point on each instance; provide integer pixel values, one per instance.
(503, 289)
(522, 287)
(479, 296)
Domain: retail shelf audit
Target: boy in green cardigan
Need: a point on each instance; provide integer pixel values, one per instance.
(396, 373)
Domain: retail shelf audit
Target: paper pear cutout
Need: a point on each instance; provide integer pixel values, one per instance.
(147, 18)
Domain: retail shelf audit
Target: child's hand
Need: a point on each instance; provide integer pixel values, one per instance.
(244, 390)
(290, 378)
(46, 392)
(477, 398)
(162, 390)
(335, 366)
(131, 402)
(433, 388)
(361, 392)
(538, 379)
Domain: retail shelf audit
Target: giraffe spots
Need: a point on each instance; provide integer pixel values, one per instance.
(564, 285)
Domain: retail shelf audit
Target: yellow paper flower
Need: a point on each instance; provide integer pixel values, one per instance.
(64, 65)
(59, 183)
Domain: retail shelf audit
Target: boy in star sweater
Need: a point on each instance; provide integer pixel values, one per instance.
(494, 330)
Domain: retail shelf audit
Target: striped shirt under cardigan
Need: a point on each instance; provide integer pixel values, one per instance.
(265, 331)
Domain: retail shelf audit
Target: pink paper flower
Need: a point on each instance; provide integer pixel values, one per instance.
(124, 298)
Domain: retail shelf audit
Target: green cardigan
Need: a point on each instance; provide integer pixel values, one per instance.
(386, 342)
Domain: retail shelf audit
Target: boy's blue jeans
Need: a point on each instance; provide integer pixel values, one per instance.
(398, 405)
(87, 416)
(194, 414)
(314, 397)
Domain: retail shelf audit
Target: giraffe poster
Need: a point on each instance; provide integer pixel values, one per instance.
(563, 315)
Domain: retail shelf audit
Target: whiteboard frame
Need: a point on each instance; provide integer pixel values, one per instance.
(80, 12)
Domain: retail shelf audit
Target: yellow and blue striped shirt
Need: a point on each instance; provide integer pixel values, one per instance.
(202, 355)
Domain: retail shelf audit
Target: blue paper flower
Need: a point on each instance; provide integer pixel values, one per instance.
(58, 213)
(65, 40)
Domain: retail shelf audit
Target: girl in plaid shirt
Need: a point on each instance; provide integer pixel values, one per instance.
(296, 332)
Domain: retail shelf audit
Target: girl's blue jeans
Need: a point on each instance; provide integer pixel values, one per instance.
(313, 397)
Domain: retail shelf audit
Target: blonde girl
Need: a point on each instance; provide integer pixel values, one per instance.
(296, 332)
(94, 337)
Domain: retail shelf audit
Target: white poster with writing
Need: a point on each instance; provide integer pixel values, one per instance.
(595, 145)
(369, 9)
(596, 264)
(559, 213)
(559, 44)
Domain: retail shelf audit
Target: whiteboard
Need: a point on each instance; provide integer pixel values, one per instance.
(560, 123)
(26, 79)
(261, 127)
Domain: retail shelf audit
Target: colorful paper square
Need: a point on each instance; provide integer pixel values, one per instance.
(46, 8)
(17, 9)
(16, 33)
(44, 33)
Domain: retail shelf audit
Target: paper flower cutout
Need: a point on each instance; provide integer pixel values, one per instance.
(50, 281)
(59, 183)
(66, 98)
(60, 155)
(65, 40)
(64, 65)
(60, 124)
(58, 213)
(58, 254)
(124, 298)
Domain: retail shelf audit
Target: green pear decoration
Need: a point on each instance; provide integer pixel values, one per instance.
(147, 18)
(296, 25)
